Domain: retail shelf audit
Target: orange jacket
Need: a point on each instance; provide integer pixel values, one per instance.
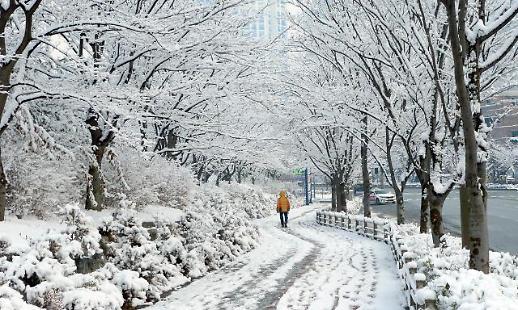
(283, 204)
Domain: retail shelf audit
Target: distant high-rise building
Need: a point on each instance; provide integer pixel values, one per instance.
(271, 20)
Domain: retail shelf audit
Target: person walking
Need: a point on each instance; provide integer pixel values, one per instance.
(283, 207)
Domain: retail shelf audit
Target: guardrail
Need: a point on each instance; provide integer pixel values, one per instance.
(418, 296)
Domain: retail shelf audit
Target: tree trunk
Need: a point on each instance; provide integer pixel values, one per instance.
(464, 216)
(95, 185)
(338, 197)
(239, 176)
(206, 177)
(3, 189)
(436, 204)
(200, 172)
(478, 230)
(400, 205)
(400, 211)
(341, 205)
(333, 194)
(473, 200)
(365, 170)
(425, 210)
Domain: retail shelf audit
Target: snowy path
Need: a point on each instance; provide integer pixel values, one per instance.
(307, 266)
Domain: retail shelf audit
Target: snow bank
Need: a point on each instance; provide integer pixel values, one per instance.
(455, 286)
(438, 276)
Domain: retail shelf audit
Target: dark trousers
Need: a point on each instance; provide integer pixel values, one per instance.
(284, 218)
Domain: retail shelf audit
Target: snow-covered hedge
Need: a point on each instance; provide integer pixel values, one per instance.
(156, 181)
(455, 286)
(46, 272)
(124, 262)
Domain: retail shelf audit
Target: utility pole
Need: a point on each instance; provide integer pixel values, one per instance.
(306, 186)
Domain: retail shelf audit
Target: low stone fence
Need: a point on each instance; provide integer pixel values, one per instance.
(418, 296)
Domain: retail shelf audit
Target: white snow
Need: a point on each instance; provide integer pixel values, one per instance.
(449, 280)
(19, 231)
(306, 266)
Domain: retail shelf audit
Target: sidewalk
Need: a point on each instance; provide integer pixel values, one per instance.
(306, 266)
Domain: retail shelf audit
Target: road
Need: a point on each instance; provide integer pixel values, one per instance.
(306, 266)
(502, 216)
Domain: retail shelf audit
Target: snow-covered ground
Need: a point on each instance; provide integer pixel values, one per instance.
(20, 231)
(306, 266)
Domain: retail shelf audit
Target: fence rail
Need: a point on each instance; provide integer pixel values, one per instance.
(418, 296)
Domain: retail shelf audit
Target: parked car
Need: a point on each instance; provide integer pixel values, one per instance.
(379, 196)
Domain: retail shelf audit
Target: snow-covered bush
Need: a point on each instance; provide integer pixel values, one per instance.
(12, 300)
(209, 242)
(125, 262)
(130, 247)
(41, 187)
(254, 202)
(156, 181)
(46, 275)
(133, 287)
(457, 287)
(42, 159)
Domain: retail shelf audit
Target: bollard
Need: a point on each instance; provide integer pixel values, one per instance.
(420, 280)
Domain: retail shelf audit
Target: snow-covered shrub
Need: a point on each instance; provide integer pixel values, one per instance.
(41, 159)
(212, 242)
(455, 286)
(46, 272)
(156, 181)
(130, 248)
(40, 187)
(125, 262)
(46, 275)
(12, 300)
(133, 287)
(217, 227)
(91, 291)
(250, 199)
(81, 229)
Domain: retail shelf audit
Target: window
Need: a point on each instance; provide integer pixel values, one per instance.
(260, 26)
(281, 21)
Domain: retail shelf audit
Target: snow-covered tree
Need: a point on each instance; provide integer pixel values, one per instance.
(482, 35)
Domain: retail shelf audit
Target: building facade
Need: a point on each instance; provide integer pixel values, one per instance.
(270, 22)
(501, 112)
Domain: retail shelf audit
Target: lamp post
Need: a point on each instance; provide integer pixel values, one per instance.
(306, 186)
